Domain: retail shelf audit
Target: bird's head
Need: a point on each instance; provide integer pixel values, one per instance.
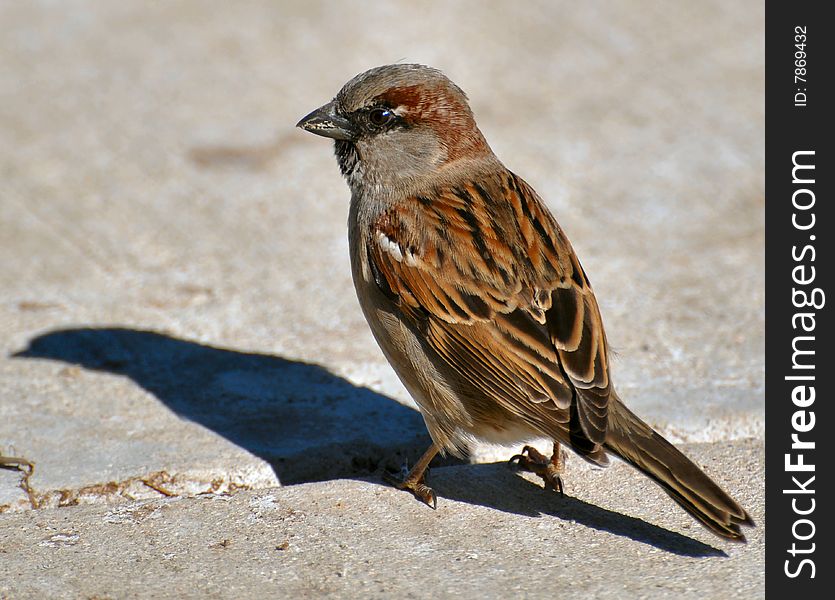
(397, 124)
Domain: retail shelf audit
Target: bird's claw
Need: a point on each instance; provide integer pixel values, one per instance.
(531, 459)
(417, 486)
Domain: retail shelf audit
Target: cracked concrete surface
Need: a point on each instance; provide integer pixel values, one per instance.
(179, 334)
(495, 534)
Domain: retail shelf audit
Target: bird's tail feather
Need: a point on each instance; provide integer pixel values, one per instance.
(638, 444)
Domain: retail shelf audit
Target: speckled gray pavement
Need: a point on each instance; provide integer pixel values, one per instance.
(182, 355)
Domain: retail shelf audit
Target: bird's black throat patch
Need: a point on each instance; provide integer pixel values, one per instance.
(347, 157)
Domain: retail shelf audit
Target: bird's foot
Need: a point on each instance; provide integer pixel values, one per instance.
(415, 480)
(418, 487)
(531, 459)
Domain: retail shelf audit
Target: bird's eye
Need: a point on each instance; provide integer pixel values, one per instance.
(380, 116)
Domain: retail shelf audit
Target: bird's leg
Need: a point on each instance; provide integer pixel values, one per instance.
(534, 461)
(415, 480)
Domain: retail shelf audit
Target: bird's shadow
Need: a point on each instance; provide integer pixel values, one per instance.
(500, 487)
(308, 423)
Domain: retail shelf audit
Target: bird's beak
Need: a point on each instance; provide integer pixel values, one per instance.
(326, 122)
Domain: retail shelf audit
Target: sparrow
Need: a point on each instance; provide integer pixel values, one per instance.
(476, 297)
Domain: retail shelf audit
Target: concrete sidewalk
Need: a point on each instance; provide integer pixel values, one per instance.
(179, 336)
(495, 534)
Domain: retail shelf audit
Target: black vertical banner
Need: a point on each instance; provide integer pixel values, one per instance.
(800, 225)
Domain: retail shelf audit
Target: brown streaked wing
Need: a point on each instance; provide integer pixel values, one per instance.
(502, 297)
(573, 320)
